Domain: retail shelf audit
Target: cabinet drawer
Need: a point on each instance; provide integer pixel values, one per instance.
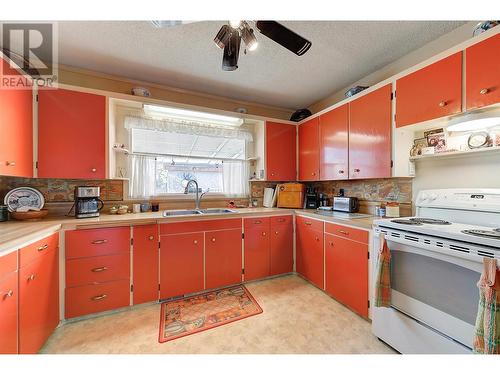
(199, 226)
(95, 242)
(31, 252)
(97, 269)
(90, 299)
(8, 264)
(256, 222)
(359, 235)
(281, 220)
(310, 223)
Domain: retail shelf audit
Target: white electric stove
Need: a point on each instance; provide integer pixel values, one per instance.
(436, 263)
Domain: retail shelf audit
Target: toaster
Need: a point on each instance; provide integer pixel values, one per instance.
(345, 204)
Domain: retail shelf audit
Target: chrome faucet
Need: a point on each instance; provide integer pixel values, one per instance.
(198, 196)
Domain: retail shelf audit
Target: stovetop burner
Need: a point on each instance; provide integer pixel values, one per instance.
(420, 221)
(495, 233)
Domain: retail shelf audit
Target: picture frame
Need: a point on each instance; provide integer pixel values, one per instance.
(418, 145)
(438, 141)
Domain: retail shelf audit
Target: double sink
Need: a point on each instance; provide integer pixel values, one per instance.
(217, 211)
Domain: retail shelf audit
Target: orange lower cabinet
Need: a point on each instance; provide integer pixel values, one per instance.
(346, 265)
(146, 263)
(223, 258)
(310, 250)
(38, 301)
(94, 298)
(281, 259)
(257, 257)
(181, 264)
(8, 313)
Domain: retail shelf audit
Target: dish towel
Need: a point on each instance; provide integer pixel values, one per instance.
(487, 332)
(383, 281)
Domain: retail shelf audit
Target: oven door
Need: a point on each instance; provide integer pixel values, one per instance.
(435, 286)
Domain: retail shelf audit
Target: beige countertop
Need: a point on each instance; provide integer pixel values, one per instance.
(16, 234)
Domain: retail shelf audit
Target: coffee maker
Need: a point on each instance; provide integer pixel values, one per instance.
(87, 202)
(311, 200)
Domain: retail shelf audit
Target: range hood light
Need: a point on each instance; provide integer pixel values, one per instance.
(188, 115)
(474, 121)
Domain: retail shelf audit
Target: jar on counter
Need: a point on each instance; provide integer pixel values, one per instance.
(392, 209)
(4, 213)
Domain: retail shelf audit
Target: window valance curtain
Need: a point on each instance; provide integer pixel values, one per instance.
(185, 127)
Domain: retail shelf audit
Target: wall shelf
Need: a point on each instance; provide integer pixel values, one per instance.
(450, 154)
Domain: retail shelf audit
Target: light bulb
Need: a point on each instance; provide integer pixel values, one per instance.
(235, 24)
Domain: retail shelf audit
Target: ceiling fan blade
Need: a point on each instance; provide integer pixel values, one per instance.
(284, 36)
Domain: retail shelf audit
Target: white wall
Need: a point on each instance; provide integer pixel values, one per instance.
(480, 171)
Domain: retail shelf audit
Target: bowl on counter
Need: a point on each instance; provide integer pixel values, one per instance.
(29, 215)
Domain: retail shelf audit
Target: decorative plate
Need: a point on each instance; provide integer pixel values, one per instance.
(478, 140)
(24, 197)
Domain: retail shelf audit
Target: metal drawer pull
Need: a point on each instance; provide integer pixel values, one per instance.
(343, 232)
(94, 170)
(44, 247)
(276, 232)
(98, 298)
(442, 104)
(151, 238)
(257, 222)
(11, 164)
(331, 243)
(263, 233)
(10, 293)
(307, 223)
(484, 91)
(195, 242)
(281, 220)
(341, 171)
(99, 242)
(317, 238)
(357, 170)
(99, 269)
(213, 239)
(31, 277)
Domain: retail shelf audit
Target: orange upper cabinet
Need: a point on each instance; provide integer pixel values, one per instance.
(16, 129)
(65, 119)
(482, 73)
(431, 92)
(281, 151)
(370, 135)
(334, 143)
(309, 150)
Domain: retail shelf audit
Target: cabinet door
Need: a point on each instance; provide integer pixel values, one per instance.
(370, 135)
(346, 268)
(16, 129)
(181, 264)
(146, 263)
(431, 92)
(38, 302)
(257, 256)
(334, 143)
(281, 151)
(8, 314)
(223, 260)
(310, 253)
(482, 73)
(309, 150)
(71, 134)
(281, 259)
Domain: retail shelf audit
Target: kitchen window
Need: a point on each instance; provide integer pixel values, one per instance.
(165, 155)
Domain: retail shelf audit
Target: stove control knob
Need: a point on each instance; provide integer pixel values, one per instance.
(423, 197)
(432, 197)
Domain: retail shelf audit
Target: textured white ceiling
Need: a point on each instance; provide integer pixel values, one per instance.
(186, 57)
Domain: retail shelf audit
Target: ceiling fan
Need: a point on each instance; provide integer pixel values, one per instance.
(230, 35)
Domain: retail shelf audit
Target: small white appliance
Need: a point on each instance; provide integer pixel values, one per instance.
(436, 262)
(269, 197)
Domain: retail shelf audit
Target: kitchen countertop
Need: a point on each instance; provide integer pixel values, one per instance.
(16, 234)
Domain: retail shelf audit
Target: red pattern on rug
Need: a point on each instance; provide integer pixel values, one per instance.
(186, 316)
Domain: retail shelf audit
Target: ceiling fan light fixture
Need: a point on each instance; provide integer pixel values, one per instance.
(235, 24)
(249, 38)
(222, 36)
(231, 52)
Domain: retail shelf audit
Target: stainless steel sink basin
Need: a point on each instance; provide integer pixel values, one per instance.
(218, 211)
(181, 212)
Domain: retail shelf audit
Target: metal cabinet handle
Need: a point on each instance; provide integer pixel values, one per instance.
(99, 269)
(317, 238)
(331, 243)
(151, 238)
(313, 174)
(442, 104)
(31, 277)
(272, 173)
(43, 247)
(276, 232)
(213, 239)
(341, 171)
(484, 91)
(343, 232)
(257, 222)
(99, 242)
(10, 163)
(94, 170)
(263, 233)
(357, 170)
(281, 220)
(10, 293)
(98, 298)
(195, 242)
